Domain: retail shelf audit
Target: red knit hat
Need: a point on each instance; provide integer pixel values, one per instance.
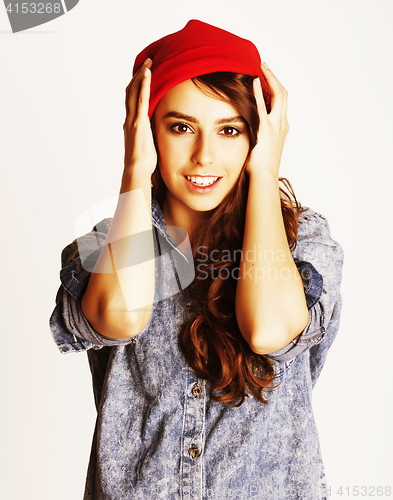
(196, 50)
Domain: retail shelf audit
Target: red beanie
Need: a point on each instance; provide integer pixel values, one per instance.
(196, 50)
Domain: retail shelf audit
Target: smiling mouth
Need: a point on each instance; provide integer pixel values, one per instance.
(202, 181)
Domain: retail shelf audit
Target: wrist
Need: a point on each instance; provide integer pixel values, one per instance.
(263, 177)
(135, 178)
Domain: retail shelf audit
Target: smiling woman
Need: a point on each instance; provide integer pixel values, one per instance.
(203, 146)
(203, 387)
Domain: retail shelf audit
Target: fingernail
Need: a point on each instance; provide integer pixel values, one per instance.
(265, 65)
(258, 82)
(147, 61)
(146, 72)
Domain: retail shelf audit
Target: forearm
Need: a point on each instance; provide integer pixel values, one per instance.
(270, 303)
(119, 297)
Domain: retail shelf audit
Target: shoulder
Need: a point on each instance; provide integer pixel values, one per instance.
(313, 225)
(316, 245)
(79, 257)
(86, 244)
(314, 236)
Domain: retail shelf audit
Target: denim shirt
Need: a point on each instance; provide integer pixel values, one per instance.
(158, 433)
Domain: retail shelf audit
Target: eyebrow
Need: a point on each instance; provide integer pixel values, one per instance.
(180, 116)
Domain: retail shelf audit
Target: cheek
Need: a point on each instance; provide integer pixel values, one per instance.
(163, 152)
(168, 148)
(168, 159)
(236, 155)
(161, 144)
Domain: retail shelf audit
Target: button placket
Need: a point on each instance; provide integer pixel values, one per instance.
(193, 436)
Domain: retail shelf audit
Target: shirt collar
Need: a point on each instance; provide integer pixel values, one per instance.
(159, 223)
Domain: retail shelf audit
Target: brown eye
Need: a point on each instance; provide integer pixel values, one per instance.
(181, 128)
(231, 131)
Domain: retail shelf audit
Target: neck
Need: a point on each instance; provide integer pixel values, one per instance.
(178, 215)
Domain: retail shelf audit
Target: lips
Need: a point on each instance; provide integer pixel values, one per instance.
(199, 180)
(207, 183)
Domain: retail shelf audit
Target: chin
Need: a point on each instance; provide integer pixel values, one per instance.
(204, 207)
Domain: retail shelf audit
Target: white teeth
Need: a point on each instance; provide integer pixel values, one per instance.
(202, 181)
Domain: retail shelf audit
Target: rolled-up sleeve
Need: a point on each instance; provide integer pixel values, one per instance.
(319, 260)
(70, 329)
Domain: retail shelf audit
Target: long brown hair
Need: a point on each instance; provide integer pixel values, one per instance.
(210, 338)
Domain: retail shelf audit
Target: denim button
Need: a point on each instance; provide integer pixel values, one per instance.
(196, 391)
(193, 451)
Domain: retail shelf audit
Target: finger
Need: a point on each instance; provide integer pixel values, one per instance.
(148, 63)
(258, 94)
(133, 82)
(279, 93)
(132, 91)
(144, 95)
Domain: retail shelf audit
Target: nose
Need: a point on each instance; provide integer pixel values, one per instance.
(203, 153)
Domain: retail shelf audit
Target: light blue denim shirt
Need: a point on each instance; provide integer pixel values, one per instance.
(158, 433)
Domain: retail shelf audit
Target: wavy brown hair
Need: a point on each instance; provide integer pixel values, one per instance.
(210, 338)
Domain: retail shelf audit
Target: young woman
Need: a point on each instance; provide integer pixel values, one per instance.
(208, 303)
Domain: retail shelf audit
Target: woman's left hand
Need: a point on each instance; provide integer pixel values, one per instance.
(273, 127)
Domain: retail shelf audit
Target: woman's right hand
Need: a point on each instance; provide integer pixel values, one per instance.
(119, 304)
(140, 152)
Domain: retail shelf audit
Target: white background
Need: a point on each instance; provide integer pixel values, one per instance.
(62, 113)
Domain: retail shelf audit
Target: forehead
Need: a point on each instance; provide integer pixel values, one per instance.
(187, 98)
